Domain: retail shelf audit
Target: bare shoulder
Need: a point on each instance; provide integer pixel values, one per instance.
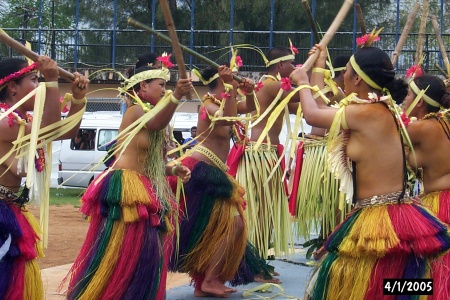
(359, 116)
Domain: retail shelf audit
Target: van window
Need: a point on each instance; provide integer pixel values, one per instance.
(105, 136)
(85, 140)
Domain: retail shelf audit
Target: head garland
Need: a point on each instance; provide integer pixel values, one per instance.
(17, 75)
(420, 94)
(128, 84)
(368, 39)
(203, 80)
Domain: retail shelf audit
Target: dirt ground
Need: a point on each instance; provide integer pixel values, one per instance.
(67, 230)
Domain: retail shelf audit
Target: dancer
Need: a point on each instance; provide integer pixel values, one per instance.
(213, 232)
(130, 205)
(20, 235)
(267, 210)
(387, 235)
(428, 102)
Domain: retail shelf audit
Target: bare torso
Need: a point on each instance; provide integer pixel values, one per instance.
(376, 147)
(432, 148)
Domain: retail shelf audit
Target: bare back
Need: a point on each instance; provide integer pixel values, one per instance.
(432, 150)
(265, 98)
(375, 145)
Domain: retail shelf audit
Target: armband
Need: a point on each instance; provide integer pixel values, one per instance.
(51, 84)
(173, 171)
(173, 99)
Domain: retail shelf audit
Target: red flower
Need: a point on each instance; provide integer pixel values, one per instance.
(405, 119)
(417, 70)
(259, 86)
(165, 60)
(294, 50)
(225, 95)
(286, 84)
(361, 41)
(65, 108)
(238, 61)
(203, 114)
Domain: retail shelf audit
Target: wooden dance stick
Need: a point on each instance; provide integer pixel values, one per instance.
(360, 17)
(330, 32)
(441, 44)
(311, 21)
(7, 40)
(164, 37)
(174, 40)
(422, 29)
(443, 73)
(401, 41)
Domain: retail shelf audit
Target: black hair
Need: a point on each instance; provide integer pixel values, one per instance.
(339, 62)
(377, 65)
(193, 127)
(143, 60)
(275, 53)
(207, 74)
(436, 91)
(9, 66)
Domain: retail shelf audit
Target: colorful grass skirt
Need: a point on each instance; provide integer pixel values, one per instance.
(123, 254)
(380, 240)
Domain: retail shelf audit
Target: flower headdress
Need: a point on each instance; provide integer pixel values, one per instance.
(165, 60)
(416, 70)
(283, 58)
(17, 75)
(367, 39)
(235, 61)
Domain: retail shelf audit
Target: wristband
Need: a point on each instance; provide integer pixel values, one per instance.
(228, 87)
(173, 99)
(79, 101)
(250, 94)
(174, 170)
(51, 84)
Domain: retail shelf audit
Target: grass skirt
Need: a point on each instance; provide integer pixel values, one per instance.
(123, 254)
(267, 211)
(315, 198)
(439, 204)
(377, 242)
(20, 276)
(213, 199)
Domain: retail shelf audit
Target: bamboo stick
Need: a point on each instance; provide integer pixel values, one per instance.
(443, 73)
(165, 38)
(360, 17)
(330, 32)
(311, 21)
(174, 40)
(406, 29)
(7, 40)
(422, 29)
(441, 44)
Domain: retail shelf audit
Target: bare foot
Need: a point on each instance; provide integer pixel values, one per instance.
(214, 289)
(260, 278)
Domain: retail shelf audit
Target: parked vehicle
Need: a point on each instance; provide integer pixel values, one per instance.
(79, 157)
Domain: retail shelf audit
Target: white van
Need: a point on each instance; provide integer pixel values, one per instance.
(79, 155)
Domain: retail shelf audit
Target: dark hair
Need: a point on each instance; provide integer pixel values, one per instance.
(339, 62)
(143, 60)
(436, 90)
(9, 66)
(209, 72)
(193, 127)
(377, 65)
(137, 86)
(275, 53)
